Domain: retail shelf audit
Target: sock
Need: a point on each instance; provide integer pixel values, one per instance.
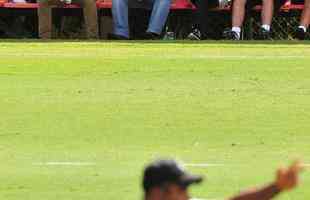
(266, 27)
(237, 30)
(303, 28)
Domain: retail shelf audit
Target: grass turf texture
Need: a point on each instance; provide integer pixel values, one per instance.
(120, 105)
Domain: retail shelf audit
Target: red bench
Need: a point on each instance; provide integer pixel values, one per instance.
(176, 5)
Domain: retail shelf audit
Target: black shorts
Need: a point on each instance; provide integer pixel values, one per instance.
(298, 1)
(208, 3)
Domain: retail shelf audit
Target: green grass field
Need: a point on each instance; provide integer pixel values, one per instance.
(80, 120)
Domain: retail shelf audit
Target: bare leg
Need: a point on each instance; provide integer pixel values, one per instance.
(45, 20)
(45, 17)
(305, 17)
(91, 18)
(267, 11)
(238, 13)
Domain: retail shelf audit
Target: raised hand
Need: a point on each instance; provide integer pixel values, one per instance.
(288, 178)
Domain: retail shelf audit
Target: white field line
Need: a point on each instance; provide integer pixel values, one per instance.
(64, 163)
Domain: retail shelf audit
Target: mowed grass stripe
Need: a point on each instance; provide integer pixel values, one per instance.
(120, 105)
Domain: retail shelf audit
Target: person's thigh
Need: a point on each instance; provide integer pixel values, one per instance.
(83, 2)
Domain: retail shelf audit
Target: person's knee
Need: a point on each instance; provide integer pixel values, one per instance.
(239, 3)
(268, 1)
(307, 5)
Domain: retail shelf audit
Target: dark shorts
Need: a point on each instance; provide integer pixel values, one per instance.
(209, 3)
(298, 1)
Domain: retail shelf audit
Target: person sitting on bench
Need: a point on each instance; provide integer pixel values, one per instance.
(240, 9)
(304, 21)
(199, 24)
(158, 19)
(45, 16)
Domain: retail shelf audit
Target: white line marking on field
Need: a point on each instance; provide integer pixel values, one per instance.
(203, 165)
(65, 163)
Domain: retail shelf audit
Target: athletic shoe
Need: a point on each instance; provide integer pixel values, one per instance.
(228, 34)
(194, 35)
(263, 34)
(300, 34)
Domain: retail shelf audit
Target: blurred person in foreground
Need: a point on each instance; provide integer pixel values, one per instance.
(45, 16)
(167, 180)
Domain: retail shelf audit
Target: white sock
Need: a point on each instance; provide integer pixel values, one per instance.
(237, 30)
(266, 27)
(303, 27)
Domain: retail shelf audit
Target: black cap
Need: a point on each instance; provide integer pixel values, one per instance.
(162, 172)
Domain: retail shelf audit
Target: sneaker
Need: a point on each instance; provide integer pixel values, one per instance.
(194, 35)
(112, 36)
(300, 34)
(263, 34)
(228, 34)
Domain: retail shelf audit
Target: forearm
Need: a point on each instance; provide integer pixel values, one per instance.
(265, 193)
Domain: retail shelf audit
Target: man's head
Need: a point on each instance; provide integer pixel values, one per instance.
(167, 180)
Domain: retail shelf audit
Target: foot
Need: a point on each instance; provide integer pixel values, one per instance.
(112, 36)
(300, 34)
(263, 34)
(228, 34)
(194, 35)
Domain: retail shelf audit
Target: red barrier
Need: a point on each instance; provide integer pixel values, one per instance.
(176, 5)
